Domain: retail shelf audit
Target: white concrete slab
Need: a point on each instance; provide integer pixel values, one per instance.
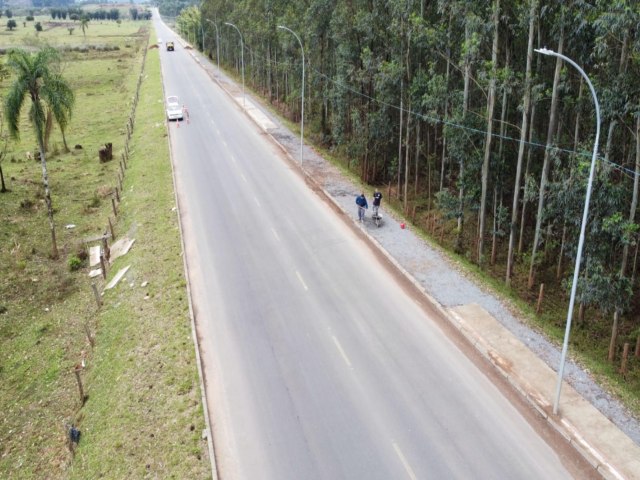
(114, 281)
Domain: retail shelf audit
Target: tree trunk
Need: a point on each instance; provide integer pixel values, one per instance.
(526, 185)
(503, 125)
(494, 236)
(576, 139)
(417, 170)
(446, 106)
(47, 195)
(3, 187)
(406, 163)
(487, 145)
(47, 130)
(465, 107)
(523, 135)
(400, 145)
(576, 132)
(546, 162)
(559, 267)
(634, 202)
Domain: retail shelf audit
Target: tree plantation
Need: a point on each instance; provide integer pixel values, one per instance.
(482, 141)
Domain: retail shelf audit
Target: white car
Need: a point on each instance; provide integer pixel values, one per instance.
(174, 109)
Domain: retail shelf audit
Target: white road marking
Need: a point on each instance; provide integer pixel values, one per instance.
(405, 464)
(257, 202)
(244, 178)
(275, 234)
(233, 159)
(301, 280)
(339, 347)
(218, 131)
(225, 144)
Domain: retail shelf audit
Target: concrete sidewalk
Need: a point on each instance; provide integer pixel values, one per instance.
(611, 452)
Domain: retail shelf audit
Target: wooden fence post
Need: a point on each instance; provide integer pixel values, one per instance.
(105, 247)
(103, 267)
(113, 235)
(540, 298)
(77, 369)
(625, 356)
(113, 205)
(87, 332)
(96, 294)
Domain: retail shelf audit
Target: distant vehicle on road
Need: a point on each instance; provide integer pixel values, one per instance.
(169, 46)
(174, 109)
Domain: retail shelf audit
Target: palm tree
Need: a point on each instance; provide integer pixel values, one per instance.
(49, 92)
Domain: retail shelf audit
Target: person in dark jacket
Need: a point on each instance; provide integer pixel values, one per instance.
(377, 198)
(361, 201)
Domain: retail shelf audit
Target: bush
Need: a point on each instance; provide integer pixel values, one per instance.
(38, 26)
(29, 18)
(74, 263)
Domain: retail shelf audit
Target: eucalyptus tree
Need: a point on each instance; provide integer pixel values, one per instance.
(491, 102)
(551, 131)
(524, 126)
(617, 39)
(37, 79)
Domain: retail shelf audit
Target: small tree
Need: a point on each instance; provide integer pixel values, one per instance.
(37, 81)
(8, 13)
(11, 24)
(38, 27)
(71, 29)
(84, 24)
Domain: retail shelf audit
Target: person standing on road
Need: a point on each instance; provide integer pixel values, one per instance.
(361, 201)
(377, 198)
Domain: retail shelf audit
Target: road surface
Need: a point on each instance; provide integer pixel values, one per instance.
(318, 364)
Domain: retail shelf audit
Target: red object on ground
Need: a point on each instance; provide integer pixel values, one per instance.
(402, 226)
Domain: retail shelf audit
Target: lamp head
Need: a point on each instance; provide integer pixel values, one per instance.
(545, 51)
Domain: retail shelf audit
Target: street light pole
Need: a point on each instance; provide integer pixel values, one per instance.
(217, 43)
(583, 227)
(242, 52)
(302, 99)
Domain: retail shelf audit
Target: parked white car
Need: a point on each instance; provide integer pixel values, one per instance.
(174, 109)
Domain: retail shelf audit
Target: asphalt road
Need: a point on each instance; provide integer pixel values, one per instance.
(317, 363)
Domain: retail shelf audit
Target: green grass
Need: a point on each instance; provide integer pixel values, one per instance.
(143, 416)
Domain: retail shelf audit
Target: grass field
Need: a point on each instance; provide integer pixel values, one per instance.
(143, 416)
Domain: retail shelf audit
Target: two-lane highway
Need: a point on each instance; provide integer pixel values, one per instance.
(317, 363)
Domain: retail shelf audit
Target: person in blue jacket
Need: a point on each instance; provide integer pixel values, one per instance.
(361, 201)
